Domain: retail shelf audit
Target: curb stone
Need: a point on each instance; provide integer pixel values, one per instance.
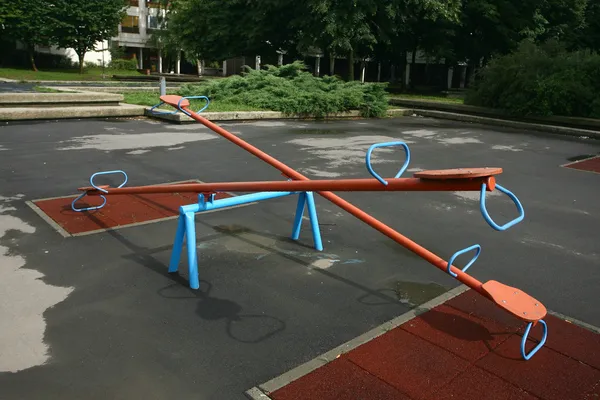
(561, 130)
(262, 391)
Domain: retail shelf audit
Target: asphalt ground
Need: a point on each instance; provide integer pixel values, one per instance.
(98, 316)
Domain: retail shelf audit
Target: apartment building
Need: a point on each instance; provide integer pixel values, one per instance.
(135, 32)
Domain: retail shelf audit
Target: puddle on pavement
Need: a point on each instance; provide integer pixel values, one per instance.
(232, 229)
(416, 293)
(320, 131)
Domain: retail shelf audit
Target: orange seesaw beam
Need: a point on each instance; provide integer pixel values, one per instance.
(340, 185)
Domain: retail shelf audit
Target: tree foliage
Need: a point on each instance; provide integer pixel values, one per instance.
(83, 23)
(541, 80)
(29, 21)
(292, 90)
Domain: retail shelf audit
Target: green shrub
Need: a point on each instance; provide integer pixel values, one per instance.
(292, 90)
(540, 80)
(123, 64)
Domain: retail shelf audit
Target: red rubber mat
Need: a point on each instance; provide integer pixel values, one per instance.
(590, 164)
(119, 211)
(464, 349)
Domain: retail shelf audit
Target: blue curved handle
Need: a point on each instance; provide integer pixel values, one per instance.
(107, 173)
(458, 253)
(487, 217)
(525, 355)
(161, 112)
(86, 208)
(387, 144)
(194, 97)
(97, 188)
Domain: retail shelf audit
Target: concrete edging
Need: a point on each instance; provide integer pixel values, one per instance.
(555, 120)
(262, 391)
(561, 130)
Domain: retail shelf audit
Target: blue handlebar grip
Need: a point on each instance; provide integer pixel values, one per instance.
(161, 112)
(87, 208)
(387, 144)
(107, 173)
(525, 355)
(487, 217)
(458, 253)
(194, 97)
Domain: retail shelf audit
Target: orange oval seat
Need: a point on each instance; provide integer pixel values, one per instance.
(458, 173)
(515, 301)
(173, 100)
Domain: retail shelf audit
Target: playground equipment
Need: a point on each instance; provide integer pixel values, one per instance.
(512, 300)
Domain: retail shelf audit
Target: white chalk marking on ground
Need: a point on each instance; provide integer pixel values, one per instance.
(136, 152)
(25, 298)
(194, 127)
(414, 169)
(459, 140)
(474, 195)
(323, 263)
(555, 246)
(2, 148)
(319, 173)
(134, 141)
(176, 148)
(346, 151)
(421, 133)
(506, 148)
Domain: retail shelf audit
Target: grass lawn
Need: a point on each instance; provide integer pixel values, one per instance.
(452, 100)
(152, 98)
(89, 74)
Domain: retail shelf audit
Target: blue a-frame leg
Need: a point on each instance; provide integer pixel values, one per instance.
(186, 226)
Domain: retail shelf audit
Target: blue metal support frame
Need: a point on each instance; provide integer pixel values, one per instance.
(186, 227)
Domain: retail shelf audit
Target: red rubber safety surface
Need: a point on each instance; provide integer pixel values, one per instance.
(467, 348)
(591, 165)
(119, 211)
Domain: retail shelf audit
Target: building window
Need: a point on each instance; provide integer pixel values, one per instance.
(153, 3)
(153, 22)
(130, 24)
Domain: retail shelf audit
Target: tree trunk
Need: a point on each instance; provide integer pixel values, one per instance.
(331, 64)
(403, 70)
(81, 55)
(412, 68)
(32, 58)
(351, 65)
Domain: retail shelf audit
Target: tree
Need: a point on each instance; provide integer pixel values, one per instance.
(83, 23)
(338, 26)
(562, 20)
(490, 27)
(590, 32)
(28, 21)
